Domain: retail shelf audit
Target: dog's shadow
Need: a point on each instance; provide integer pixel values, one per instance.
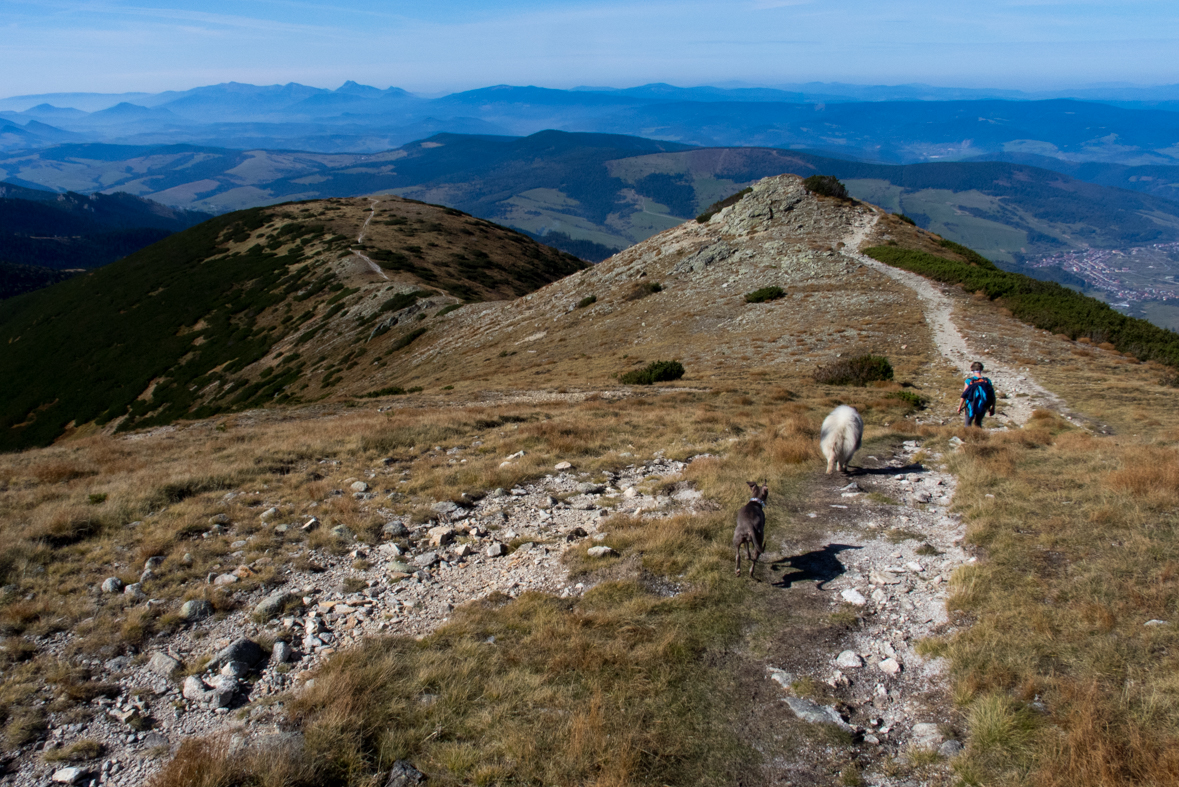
(916, 467)
(821, 565)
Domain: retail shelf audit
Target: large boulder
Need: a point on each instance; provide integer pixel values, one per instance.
(244, 650)
(162, 664)
(273, 605)
(196, 609)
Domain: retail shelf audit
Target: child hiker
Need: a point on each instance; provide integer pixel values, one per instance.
(978, 396)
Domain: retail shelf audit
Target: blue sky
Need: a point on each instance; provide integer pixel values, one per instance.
(434, 46)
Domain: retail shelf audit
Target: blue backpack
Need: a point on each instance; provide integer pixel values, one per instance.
(979, 396)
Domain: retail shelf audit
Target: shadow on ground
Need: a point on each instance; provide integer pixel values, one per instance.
(821, 565)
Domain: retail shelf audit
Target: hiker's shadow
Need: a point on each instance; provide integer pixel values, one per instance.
(916, 467)
(821, 565)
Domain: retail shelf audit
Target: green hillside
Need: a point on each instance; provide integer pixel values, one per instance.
(182, 327)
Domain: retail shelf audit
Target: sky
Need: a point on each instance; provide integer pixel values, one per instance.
(439, 46)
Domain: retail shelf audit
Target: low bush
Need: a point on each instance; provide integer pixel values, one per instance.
(905, 219)
(448, 309)
(407, 340)
(765, 294)
(859, 370)
(392, 390)
(588, 300)
(403, 301)
(917, 401)
(826, 186)
(654, 372)
(717, 207)
(643, 289)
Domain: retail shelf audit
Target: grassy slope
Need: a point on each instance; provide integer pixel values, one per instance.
(180, 327)
(1078, 536)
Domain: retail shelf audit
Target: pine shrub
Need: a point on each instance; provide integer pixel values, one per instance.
(858, 370)
(654, 372)
(765, 294)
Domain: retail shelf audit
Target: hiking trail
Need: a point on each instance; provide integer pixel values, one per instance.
(372, 211)
(1024, 394)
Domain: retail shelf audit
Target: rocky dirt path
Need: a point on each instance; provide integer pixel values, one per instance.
(1024, 394)
(360, 239)
(859, 574)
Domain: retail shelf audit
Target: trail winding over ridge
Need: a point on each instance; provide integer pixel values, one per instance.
(372, 211)
(949, 340)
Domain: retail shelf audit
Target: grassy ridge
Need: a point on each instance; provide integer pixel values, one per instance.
(1046, 305)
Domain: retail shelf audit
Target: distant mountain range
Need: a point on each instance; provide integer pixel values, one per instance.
(903, 124)
(45, 234)
(592, 194)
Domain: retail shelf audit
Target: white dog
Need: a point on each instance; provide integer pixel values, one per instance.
(840, 437)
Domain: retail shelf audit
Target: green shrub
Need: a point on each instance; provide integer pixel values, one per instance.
(643, 289)
(1046, 305)
(825, 186)
(654, 372)
(448, 309)
(717, 207)
(905, 219)
(97, 498)
(407, 339)
(403, 300)
(859, 370)
(916, 401)
(588, 300)
(415, 389)
(392, 390)
(765, 294)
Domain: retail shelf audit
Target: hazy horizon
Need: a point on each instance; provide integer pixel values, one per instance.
(119, 46)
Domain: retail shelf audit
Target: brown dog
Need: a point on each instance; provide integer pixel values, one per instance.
(751, 527)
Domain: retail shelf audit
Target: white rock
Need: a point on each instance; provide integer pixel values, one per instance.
(849, 659)
(69, 775)
(112, 585)
(359, 486)
(281, 652)
(225, 579)
(600, 551)
(1155, 622)
(927, 736)
(853, 596)
(563, 466)
(630, 493)
(883, 578)
(134, 591)
(890, 666)
(194, 689)
(916, 568)
(268, 514)
(497, 550)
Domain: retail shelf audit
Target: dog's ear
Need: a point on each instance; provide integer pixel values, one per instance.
(752, 485)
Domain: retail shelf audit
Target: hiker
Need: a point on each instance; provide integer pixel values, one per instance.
(978, 396)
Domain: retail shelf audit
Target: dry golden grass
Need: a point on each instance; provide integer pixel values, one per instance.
(619, 687)
(1078, 534)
